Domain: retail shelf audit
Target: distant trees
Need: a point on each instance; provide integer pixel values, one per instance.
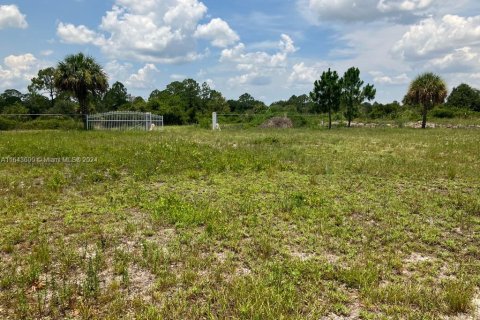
(298, 104)
(327, 94)
(427, 90)
(82, 76)
(382, 110)
(186, 102)
(354, 93)
(464, 96)
(78, 84)
(246, 103)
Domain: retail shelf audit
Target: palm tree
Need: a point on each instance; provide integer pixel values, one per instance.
(81, 75)
(428, 90)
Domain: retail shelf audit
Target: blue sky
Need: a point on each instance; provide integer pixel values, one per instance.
(271, 48)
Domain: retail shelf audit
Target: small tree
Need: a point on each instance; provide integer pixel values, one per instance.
(81, 75)
(354, 94)
(427, 90)
(116, 97)
(326, 94)
(45, 83)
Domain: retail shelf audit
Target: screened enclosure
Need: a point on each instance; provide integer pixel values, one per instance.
(124, 120)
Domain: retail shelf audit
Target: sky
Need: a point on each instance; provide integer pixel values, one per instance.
(271, 49)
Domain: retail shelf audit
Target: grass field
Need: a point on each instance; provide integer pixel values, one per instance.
(190, 224)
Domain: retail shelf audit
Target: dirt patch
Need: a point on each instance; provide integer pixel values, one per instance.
(278, 123)
(415, 258)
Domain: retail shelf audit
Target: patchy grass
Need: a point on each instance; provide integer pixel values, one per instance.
(257, 224)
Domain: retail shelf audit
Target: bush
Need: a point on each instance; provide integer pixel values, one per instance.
(443, 113)
(51, 124)
(7, 124)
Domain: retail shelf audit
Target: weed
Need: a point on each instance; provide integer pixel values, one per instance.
(458, 295)
(256, 224)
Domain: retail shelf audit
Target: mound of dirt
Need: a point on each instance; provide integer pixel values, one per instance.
(278, 122)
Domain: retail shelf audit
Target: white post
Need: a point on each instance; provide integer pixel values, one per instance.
(214, 121)
(149, 121)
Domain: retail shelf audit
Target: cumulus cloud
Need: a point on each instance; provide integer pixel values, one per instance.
(11, 17)
(18, 70)
(380, 78)
(70, 33)
(365, 10)
(403, 5)
(303, 74)
(118, 71)
(461, 60)
(163, 31)
(247, 60)
(258, 67)
(143, 78)
(218, 32)
(432, 37)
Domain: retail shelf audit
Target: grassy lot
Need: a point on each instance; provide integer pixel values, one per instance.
(189, 224)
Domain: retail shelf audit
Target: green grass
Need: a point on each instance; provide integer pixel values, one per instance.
(188, 223)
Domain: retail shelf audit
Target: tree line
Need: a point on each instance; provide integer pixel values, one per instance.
(79, 85)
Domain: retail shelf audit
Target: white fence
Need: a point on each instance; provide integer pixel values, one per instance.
(124, 120)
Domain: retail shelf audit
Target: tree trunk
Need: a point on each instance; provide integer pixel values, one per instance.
(349, 123)
(85, 123)
(52, 99)
(329, 119)
(83, 111)
(424, 120)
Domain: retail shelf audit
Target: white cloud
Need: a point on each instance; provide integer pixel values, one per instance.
(11, 17)
(380, 78)
(253, 78)
(403, 5)
(218, 32)
(70, 33)
(461, 60)
(319, 11)
(20, 63)
(432, 37)
(244, 59)
(178, 77)
(118, 71)
(144, 78)
(259, 67)
(303, 74)
(46, 53)
(18, 70)
(159, 31)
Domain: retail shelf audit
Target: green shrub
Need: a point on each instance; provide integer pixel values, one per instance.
(7, 124)
(51, 124)
(443, 113)
(458, 295)
(205, 122)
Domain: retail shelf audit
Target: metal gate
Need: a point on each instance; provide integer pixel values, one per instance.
(124, 120)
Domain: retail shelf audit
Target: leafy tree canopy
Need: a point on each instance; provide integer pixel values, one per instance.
(44, 83)
(354, 93)
(427, 90)
(81, 75)
(464, 96)
(327, 93)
